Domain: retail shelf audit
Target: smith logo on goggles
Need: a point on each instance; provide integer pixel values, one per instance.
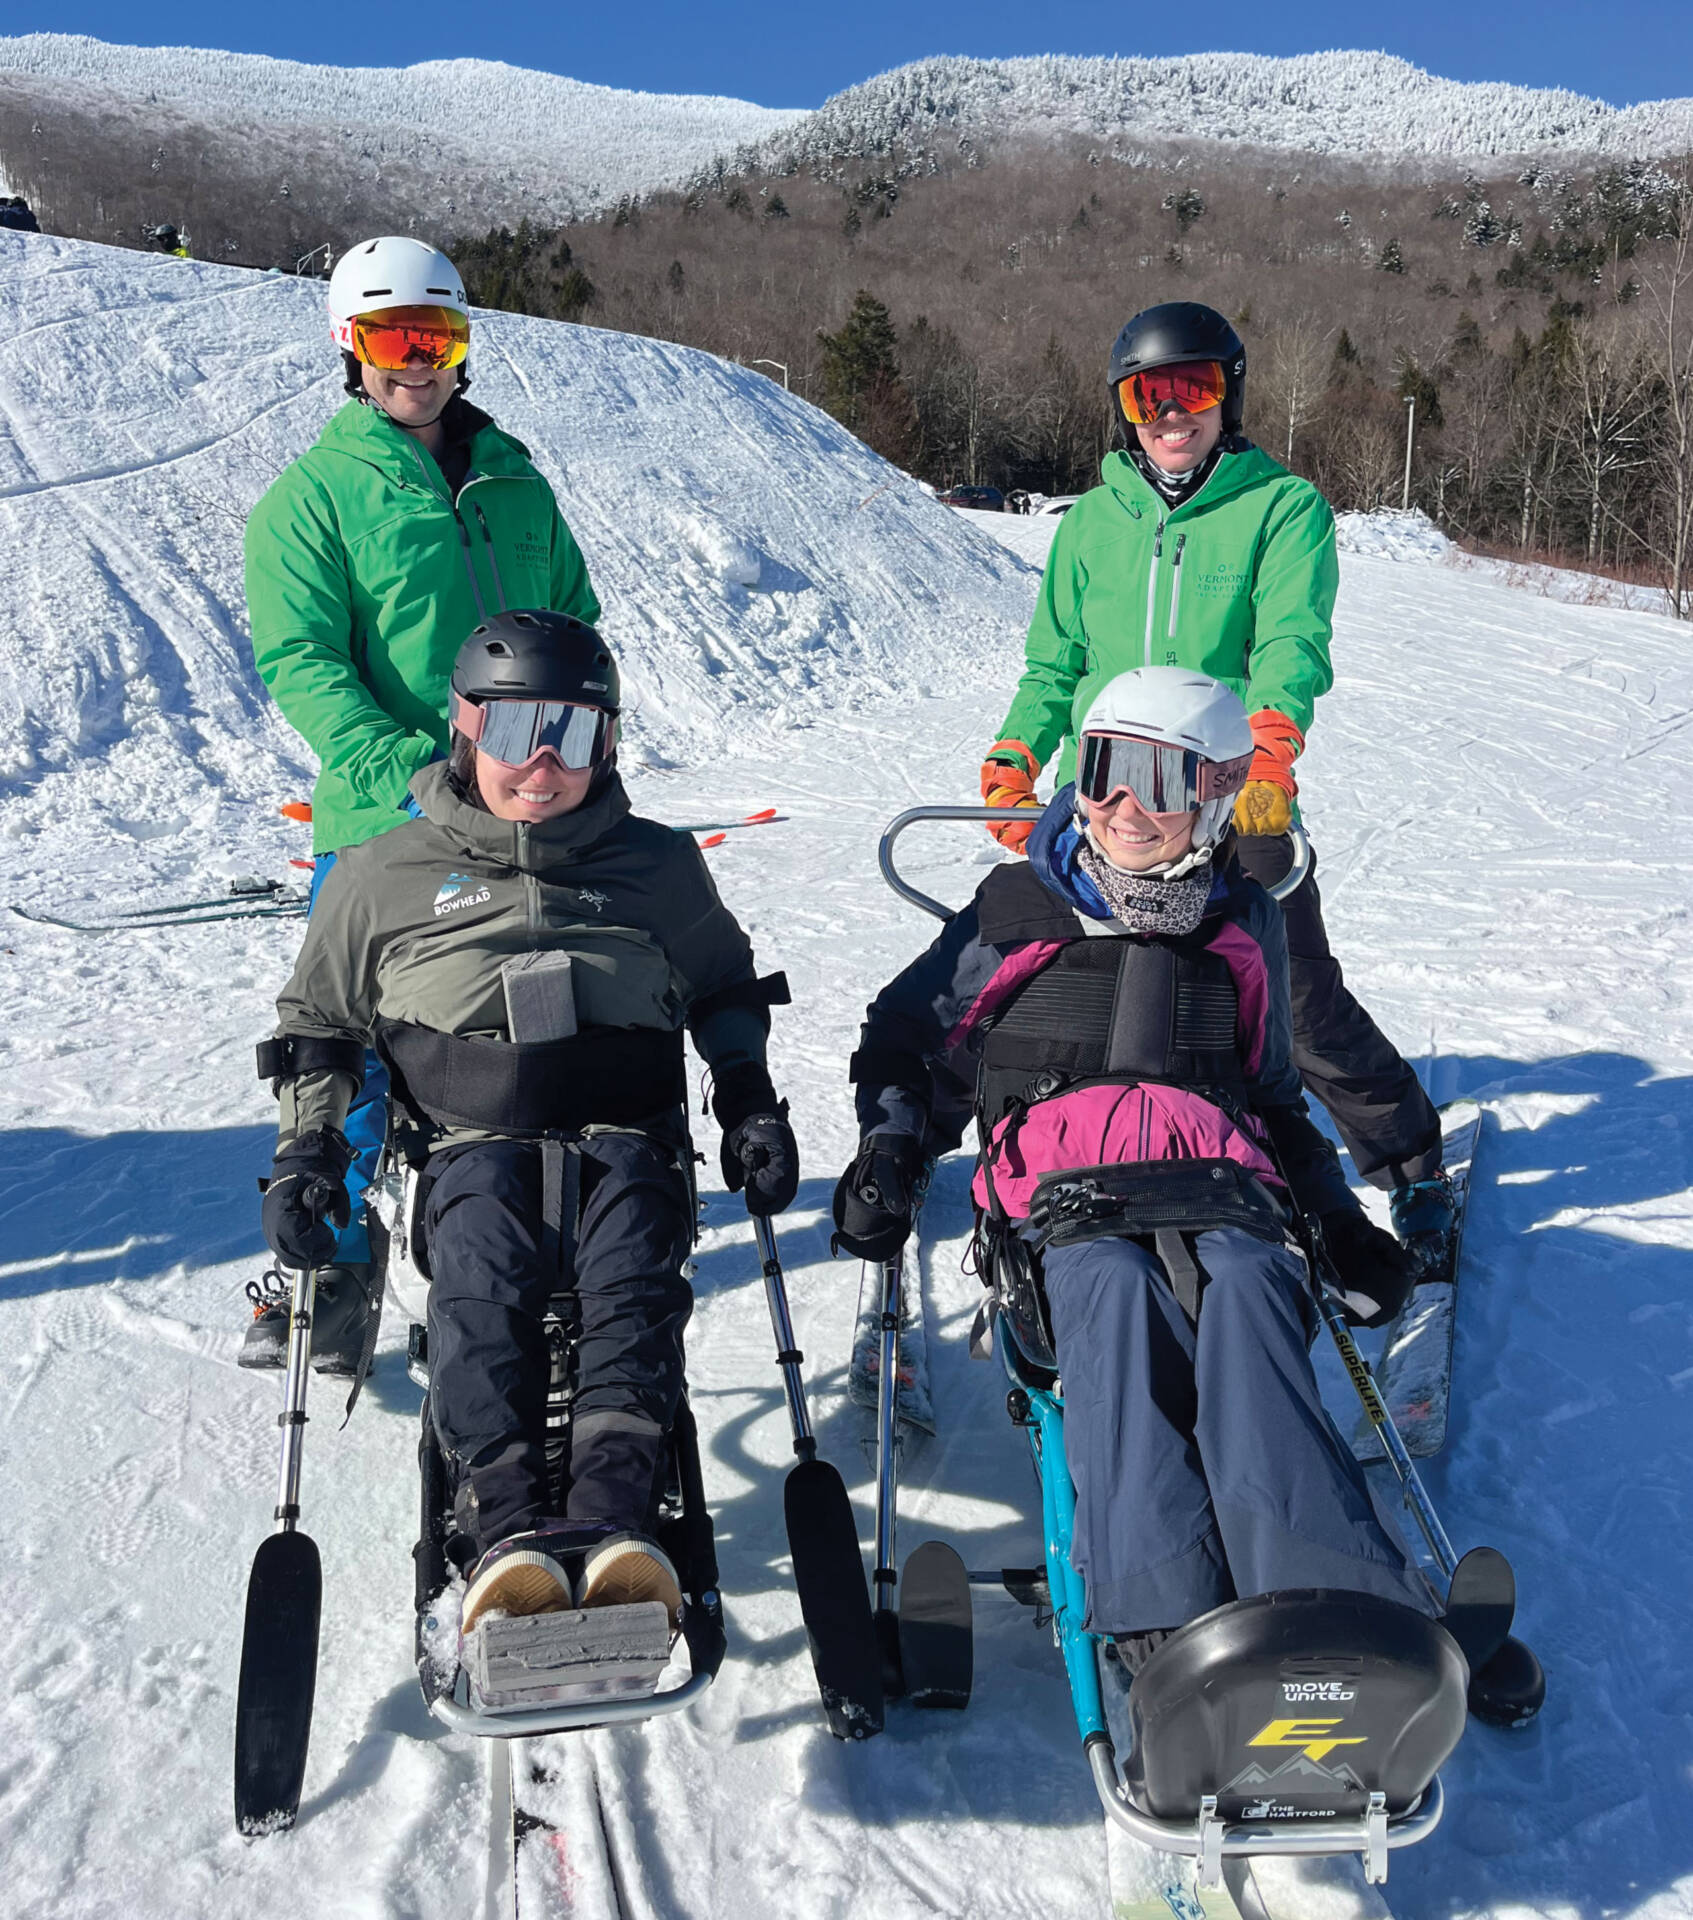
(388, 340)
(1195, 386)
(514, 731)
(1164, 779)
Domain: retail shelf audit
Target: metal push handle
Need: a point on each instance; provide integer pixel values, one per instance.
(1289, 883)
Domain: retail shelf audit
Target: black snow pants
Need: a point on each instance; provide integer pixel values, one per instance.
(1206, 1469)
(1389, 1124)
(493, 1276)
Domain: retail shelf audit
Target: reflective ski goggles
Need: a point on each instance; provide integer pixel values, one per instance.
(389, 340)
(1164, 779)
(514, 731)
(1194, 386)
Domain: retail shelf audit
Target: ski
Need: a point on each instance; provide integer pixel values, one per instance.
(833, 1600)
(1414, 1373)
(249, 887)
(916, 1404)
(557, 1861)
(281, 910)
(769, 817)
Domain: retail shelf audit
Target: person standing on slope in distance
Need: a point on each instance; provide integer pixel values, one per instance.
(410, 521)
(1199, 550)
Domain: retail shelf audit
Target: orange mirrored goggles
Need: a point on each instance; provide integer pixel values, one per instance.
(440, 337)
(1193, 386)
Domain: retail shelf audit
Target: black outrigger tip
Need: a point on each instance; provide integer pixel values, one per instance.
(1509, 1689)
(833, 1599)
(936, 1648)
(273, 1701)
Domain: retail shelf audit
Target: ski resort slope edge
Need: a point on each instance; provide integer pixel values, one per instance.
(1494, 788)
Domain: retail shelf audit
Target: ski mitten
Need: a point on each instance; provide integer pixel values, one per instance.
(759, 1153)
(306, 1198)
(1376, 1273)
(1008, 780)
(877, 1195)
(1265, 804)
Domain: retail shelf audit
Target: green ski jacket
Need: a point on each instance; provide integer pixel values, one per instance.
(365, 575)
(1237, 582)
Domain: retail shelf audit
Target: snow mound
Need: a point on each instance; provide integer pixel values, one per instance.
(577, 145)
(750, 553)
(1368, 103)
(1391, 533)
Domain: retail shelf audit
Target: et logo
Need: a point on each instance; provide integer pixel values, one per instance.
(1316, 1738)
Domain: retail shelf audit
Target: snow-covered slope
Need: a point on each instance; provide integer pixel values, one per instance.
(1494, 786)
(1353, 103)
(573, 145)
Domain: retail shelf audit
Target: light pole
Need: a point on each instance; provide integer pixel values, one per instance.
(782, 370)
(1410, 441)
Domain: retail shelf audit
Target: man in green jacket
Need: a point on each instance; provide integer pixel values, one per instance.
(411, 521)
(1200, 551)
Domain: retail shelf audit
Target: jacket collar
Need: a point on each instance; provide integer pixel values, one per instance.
(366, 433)
(510, 843)
(1238, 467)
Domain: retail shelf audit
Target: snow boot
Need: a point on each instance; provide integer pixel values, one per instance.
(1424, 1214)
(527, 1573)
(627, 1568)
(340, 1318)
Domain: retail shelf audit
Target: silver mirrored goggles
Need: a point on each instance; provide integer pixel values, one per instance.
(1164, 779)
(514, 731)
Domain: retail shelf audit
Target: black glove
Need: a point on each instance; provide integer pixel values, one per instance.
(877, 1195)
(1375, 1272)
(762, 1155)
(307, 1191)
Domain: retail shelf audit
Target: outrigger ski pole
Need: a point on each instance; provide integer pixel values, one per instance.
(1507, 1682)
(273, 1700)
(925, 1638)
(823, 1539)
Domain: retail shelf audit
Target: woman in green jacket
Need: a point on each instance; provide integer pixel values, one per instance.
(1199, 551)
(411, 521)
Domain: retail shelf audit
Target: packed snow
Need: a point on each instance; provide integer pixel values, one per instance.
(576, 146)
(1491, 786)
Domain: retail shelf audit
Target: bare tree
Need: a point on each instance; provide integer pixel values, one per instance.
(1669, 297)
(1290, 390)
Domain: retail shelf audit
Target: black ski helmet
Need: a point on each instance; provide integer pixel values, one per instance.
(538, 655)
(1183, 330)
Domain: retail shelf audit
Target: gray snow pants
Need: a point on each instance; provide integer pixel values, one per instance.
(1206, 1469)
(1389, 1124)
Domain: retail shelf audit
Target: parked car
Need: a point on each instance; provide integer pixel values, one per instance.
(1056, 503)
(982, 499)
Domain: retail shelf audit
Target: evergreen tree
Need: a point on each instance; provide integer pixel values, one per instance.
(1392, 260)
(862, 387)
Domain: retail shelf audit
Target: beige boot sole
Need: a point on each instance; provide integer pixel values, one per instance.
(521, 1583)
(624, 1571)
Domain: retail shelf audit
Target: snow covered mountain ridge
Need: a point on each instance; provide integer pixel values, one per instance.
(570, 146)
(584, 145)
(1340, 103)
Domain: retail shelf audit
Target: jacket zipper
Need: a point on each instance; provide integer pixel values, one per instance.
(1152, 587)
(1176, 582)
(531, 886)
(488, 542)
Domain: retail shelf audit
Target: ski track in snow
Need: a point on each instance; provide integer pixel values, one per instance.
(1490, 789)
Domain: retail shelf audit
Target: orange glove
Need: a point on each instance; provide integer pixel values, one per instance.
(1010, 783)
(1265, 804)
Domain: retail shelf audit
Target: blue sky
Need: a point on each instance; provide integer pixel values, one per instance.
(780, 53)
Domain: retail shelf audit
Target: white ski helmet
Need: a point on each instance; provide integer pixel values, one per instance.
(395, 271)
(1190, 712)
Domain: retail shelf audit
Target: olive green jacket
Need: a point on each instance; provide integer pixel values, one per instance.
(415, 926)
